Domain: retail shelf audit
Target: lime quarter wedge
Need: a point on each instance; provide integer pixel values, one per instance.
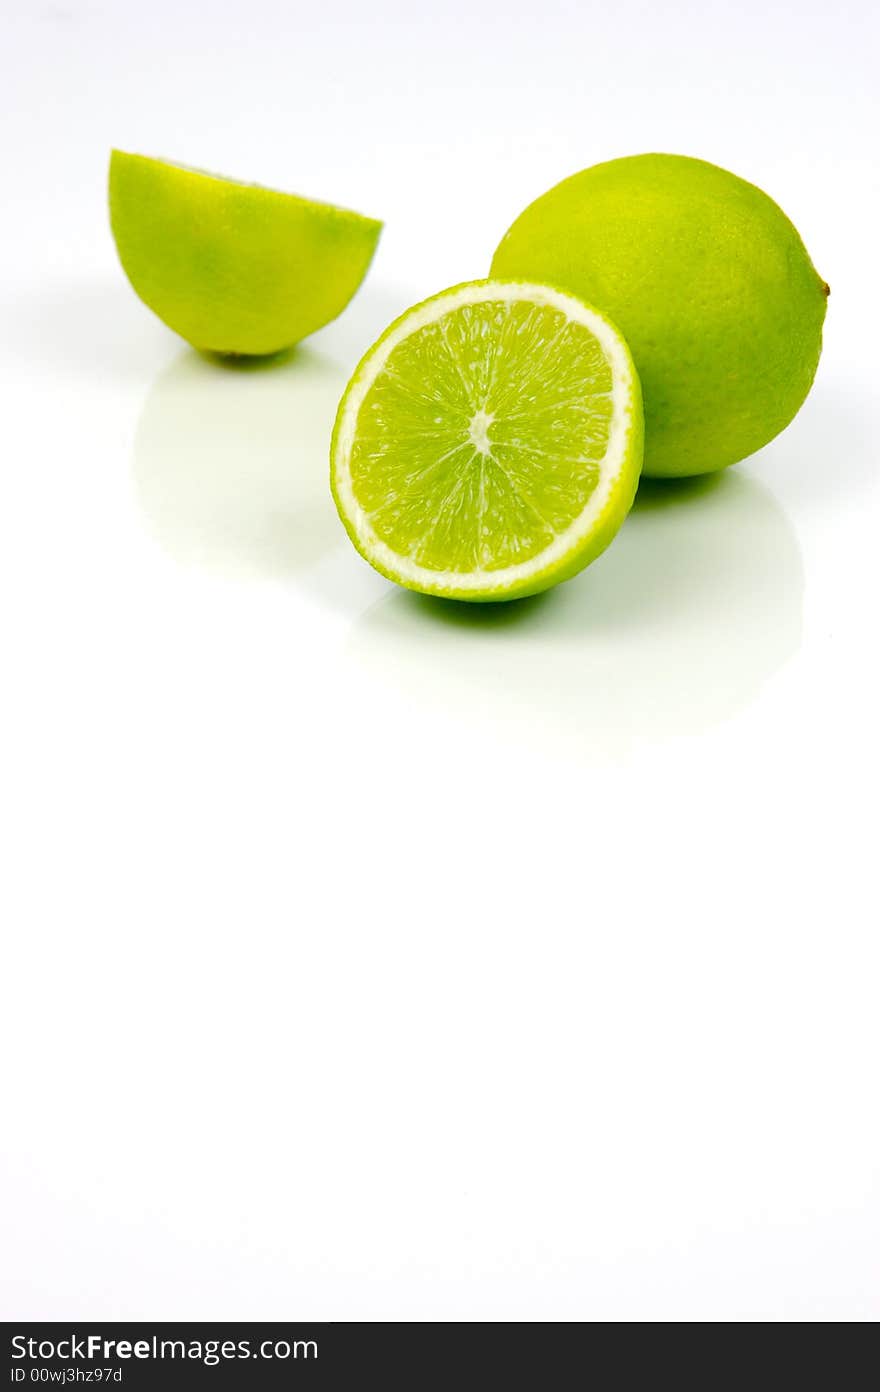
(489, 443)
(232, 267)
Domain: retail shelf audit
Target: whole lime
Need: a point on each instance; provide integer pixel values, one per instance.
(709, 283)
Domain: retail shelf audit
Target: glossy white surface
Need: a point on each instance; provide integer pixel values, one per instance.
(369, 958)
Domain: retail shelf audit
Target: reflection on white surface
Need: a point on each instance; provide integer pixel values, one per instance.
(674, 629)
(231, 461)
(232, 455)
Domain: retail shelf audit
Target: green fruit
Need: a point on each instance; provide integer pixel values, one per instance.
(489, 444)
(708, 281)
(231, 267)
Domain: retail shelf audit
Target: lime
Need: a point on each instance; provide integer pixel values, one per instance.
(711, 285)
(489, 444)
(233, 267)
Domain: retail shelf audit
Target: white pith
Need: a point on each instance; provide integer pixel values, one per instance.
(479, 431)
(485, 581)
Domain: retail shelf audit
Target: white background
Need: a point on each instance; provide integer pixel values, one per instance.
(363, 958)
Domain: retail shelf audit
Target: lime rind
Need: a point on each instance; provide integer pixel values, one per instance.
(570, 549)
(232, 267)
(313, 204)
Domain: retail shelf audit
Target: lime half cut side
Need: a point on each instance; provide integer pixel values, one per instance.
(489, 443)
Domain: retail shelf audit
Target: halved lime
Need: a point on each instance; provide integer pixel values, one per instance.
(233, 267)
(489, 443)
